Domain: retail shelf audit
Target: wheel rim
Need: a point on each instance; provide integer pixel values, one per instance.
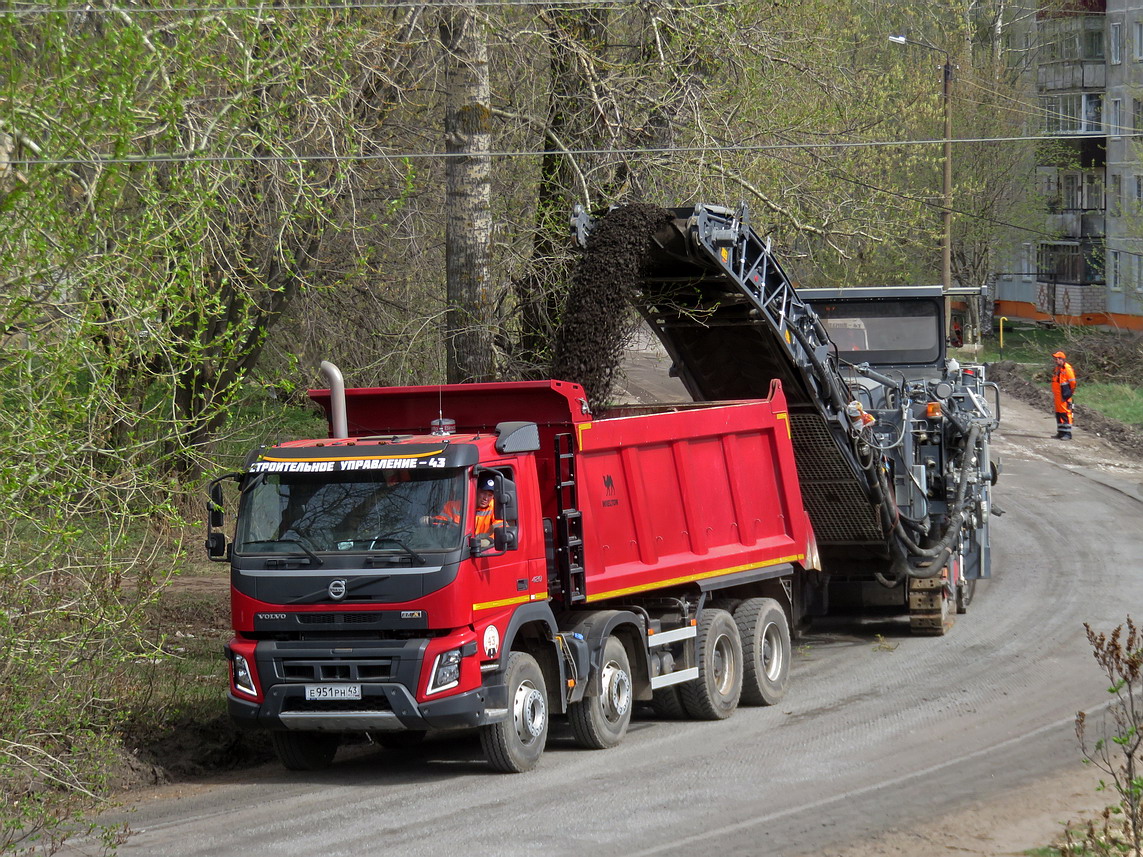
(616, 692)
(773, 656)
(529, 712)
(723, 663)
(967, 590)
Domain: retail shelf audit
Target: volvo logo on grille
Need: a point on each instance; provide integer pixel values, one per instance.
(337, 589)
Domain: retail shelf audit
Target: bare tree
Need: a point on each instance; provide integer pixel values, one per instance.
(468, 192)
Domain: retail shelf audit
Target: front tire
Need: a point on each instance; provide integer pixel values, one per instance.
(715, 693)
(599, 722)
(964, 595)
(766, 650)
(305, 751)
(514, 745)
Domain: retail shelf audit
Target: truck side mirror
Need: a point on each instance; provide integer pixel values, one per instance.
(217, 550)
(496, 542)
(215, 513)
(216, 546)
(506, 505)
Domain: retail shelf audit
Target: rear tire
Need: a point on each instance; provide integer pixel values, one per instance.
(715, 693)
(665, 703)
(515, 745)
(599, 722)
(766, 650)
(305, 751)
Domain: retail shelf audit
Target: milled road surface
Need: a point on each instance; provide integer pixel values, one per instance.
(879, 730)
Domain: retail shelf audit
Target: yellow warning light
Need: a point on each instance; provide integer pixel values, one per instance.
(725, 253)
(933, 410)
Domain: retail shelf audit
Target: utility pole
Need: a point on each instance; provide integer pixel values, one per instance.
(946, 204)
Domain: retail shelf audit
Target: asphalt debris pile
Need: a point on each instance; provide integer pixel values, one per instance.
(597, 317)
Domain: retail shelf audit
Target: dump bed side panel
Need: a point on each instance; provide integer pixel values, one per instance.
(674, 498)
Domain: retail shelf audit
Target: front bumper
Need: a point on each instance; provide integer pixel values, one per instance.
(382, 708)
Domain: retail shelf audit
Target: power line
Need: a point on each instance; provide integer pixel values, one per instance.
(320, 7)
(193, 158)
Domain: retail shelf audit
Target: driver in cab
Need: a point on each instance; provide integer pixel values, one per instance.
(485, 519)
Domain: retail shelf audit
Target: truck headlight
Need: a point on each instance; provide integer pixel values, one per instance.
(243, 679)
(446, 671)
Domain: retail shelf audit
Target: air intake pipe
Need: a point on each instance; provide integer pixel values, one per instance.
(338, 421)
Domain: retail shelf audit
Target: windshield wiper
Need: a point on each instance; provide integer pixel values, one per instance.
(314, 558)
(417, 558)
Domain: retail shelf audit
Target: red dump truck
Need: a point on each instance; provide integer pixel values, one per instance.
(654, 555)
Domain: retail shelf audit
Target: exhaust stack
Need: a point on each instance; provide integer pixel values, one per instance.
(338, 421)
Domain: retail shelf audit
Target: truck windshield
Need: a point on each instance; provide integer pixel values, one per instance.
(369, 511)
(880, 332)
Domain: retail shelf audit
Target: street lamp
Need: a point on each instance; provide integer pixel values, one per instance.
(946, 214)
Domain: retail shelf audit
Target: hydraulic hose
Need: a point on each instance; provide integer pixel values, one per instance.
(940, 552)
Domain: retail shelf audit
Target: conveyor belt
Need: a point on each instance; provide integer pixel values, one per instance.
(731, 321)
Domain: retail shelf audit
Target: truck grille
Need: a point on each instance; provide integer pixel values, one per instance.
(336, 618)
(378, 669)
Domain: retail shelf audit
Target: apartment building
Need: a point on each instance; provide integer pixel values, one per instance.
(1084, 263)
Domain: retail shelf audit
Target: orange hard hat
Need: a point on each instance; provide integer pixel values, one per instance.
(1061, 355)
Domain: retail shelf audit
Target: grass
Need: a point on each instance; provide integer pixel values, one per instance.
(1033, 347)
(1024, 344)
(1118, 401)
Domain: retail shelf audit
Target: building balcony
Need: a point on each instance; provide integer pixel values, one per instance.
(1072, 75)
(1078, 224)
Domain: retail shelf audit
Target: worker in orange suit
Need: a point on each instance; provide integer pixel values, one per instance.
(1063, 388)
(484, 518)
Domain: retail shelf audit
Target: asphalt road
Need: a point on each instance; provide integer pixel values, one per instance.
(879, 729)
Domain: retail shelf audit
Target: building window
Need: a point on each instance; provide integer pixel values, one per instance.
(1027, 269)
(1137, 40)
(1093, 45)
(1136, 115)
(1093, 112)
(1115, 43)
(1114, 282)
(1115, 117)
(1115, 195)
(1061, 263)
(1092, 192)
(1138, 190)
(1072, 201)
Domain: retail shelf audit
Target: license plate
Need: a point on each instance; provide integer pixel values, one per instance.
(333, 691)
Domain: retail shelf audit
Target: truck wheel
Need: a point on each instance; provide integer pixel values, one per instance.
(714, 694)
(599, 722)
(305, 751)
(964, 595)
(665, 703)
(766, 650)
(515, 745)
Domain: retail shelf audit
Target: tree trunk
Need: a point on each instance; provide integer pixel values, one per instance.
(468, 194)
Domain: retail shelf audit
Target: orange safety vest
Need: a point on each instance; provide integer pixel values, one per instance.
(485, 521)
(1063, 376)
(484, 518)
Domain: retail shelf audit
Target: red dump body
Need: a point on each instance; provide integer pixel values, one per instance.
(626, 556)
(669, 494)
